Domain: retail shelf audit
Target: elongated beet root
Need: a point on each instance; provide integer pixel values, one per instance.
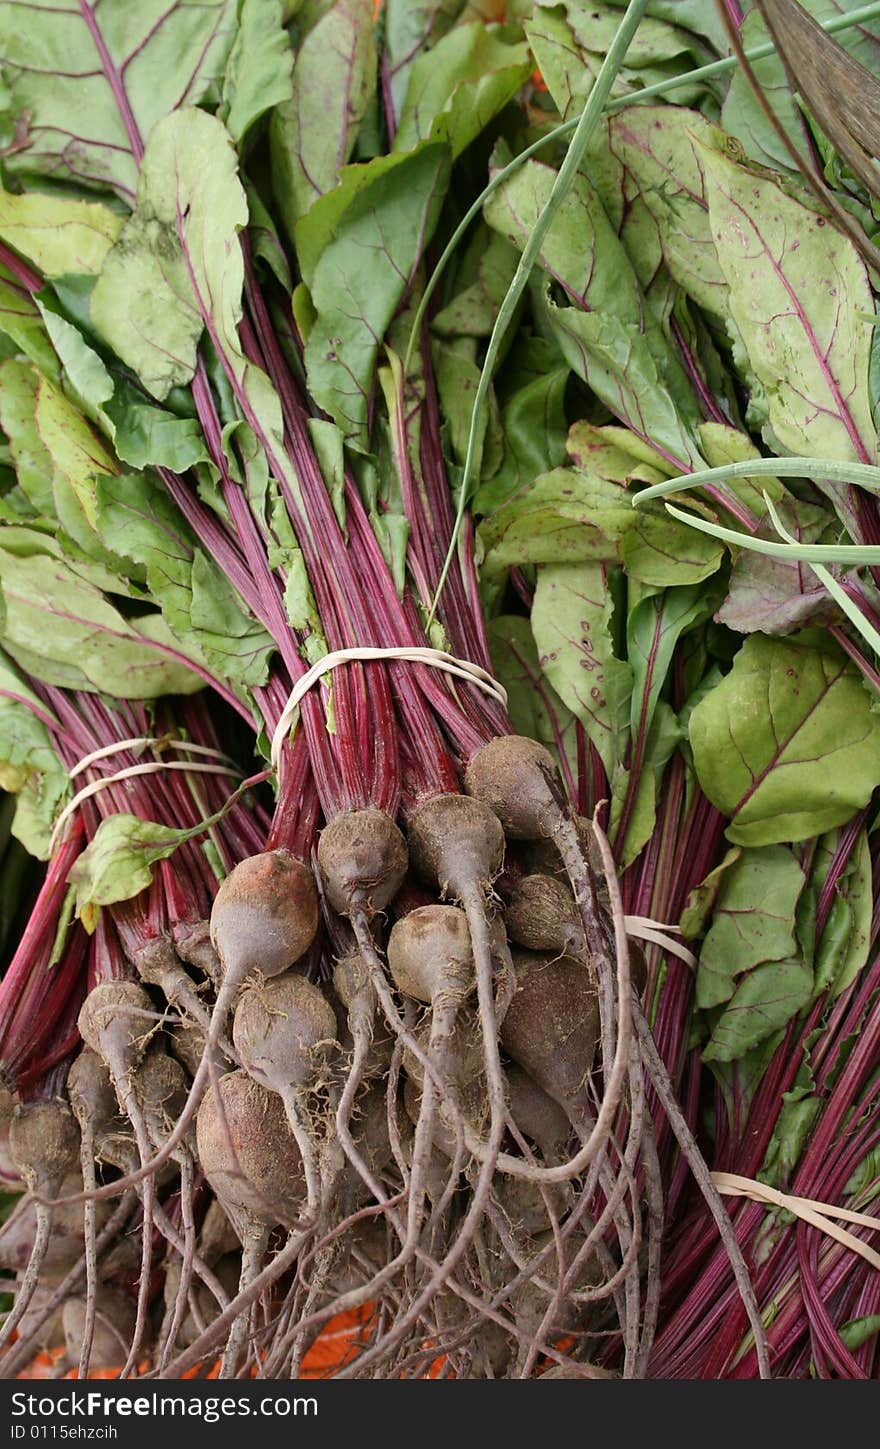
(265, 915)
(454, 842)
(538, 1116)
(247, 1151)
(542, 915)
(90, 1090)
(162, 1088)
(363, 860)
(519, 780)
(44, 1142)
(114, 1327)
(552, 1025)
(429, 951)
(284, 1031)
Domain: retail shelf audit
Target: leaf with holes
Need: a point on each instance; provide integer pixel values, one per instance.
(571, 617)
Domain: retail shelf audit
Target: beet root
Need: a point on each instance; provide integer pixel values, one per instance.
(541, 914)
(363, 859)
(248, 1153)
(265, 915)
(114, 1327)
(429, 952)
(114, 1021)
(284, 1031)
(538, 1116)
(552, 1025)
(455, 842)
(518, 779)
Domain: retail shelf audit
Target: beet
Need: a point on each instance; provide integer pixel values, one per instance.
(363, 860)
(454, 842)
(265, 915)
(44, 1143)
(114, 1021)
(552, 1026)
(538, 1116)
(541, 914)
(284, 1031)
(429, 952)
(518, 779)
(114, 1327)
(252, 1162)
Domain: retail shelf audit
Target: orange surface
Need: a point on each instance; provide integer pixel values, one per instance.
(336, 1346)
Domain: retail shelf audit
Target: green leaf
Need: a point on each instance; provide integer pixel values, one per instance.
(659, 551)
(78, 455)
(457, 376)
(312, 135)
(29, 765)
(753, 920)
(118, 863)
(570, 41)
(18, 401)
(357, 248)
(653, 628)
(85, 376)
(533, 425)
(138, 519)
(59, 235)
(765, 1000)
(258, 72)
(566, 516)
(778, 595)
(846, 940)
(787, 744)
(481, 283)
(701, 900)
(657, 145)
(457, 87)
(411, 27)
(693, 15)
(663, 735)
(793, 1127)
(571, 617)
(143, 304)
(66, 68)
(21, 322)
(604, 334)
(146, 436)
(798, 289)
(63, 630)
(857, 1331)
(744, 116)
(721, 445)
(536, 710)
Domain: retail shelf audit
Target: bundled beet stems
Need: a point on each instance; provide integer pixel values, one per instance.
(458, 903)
